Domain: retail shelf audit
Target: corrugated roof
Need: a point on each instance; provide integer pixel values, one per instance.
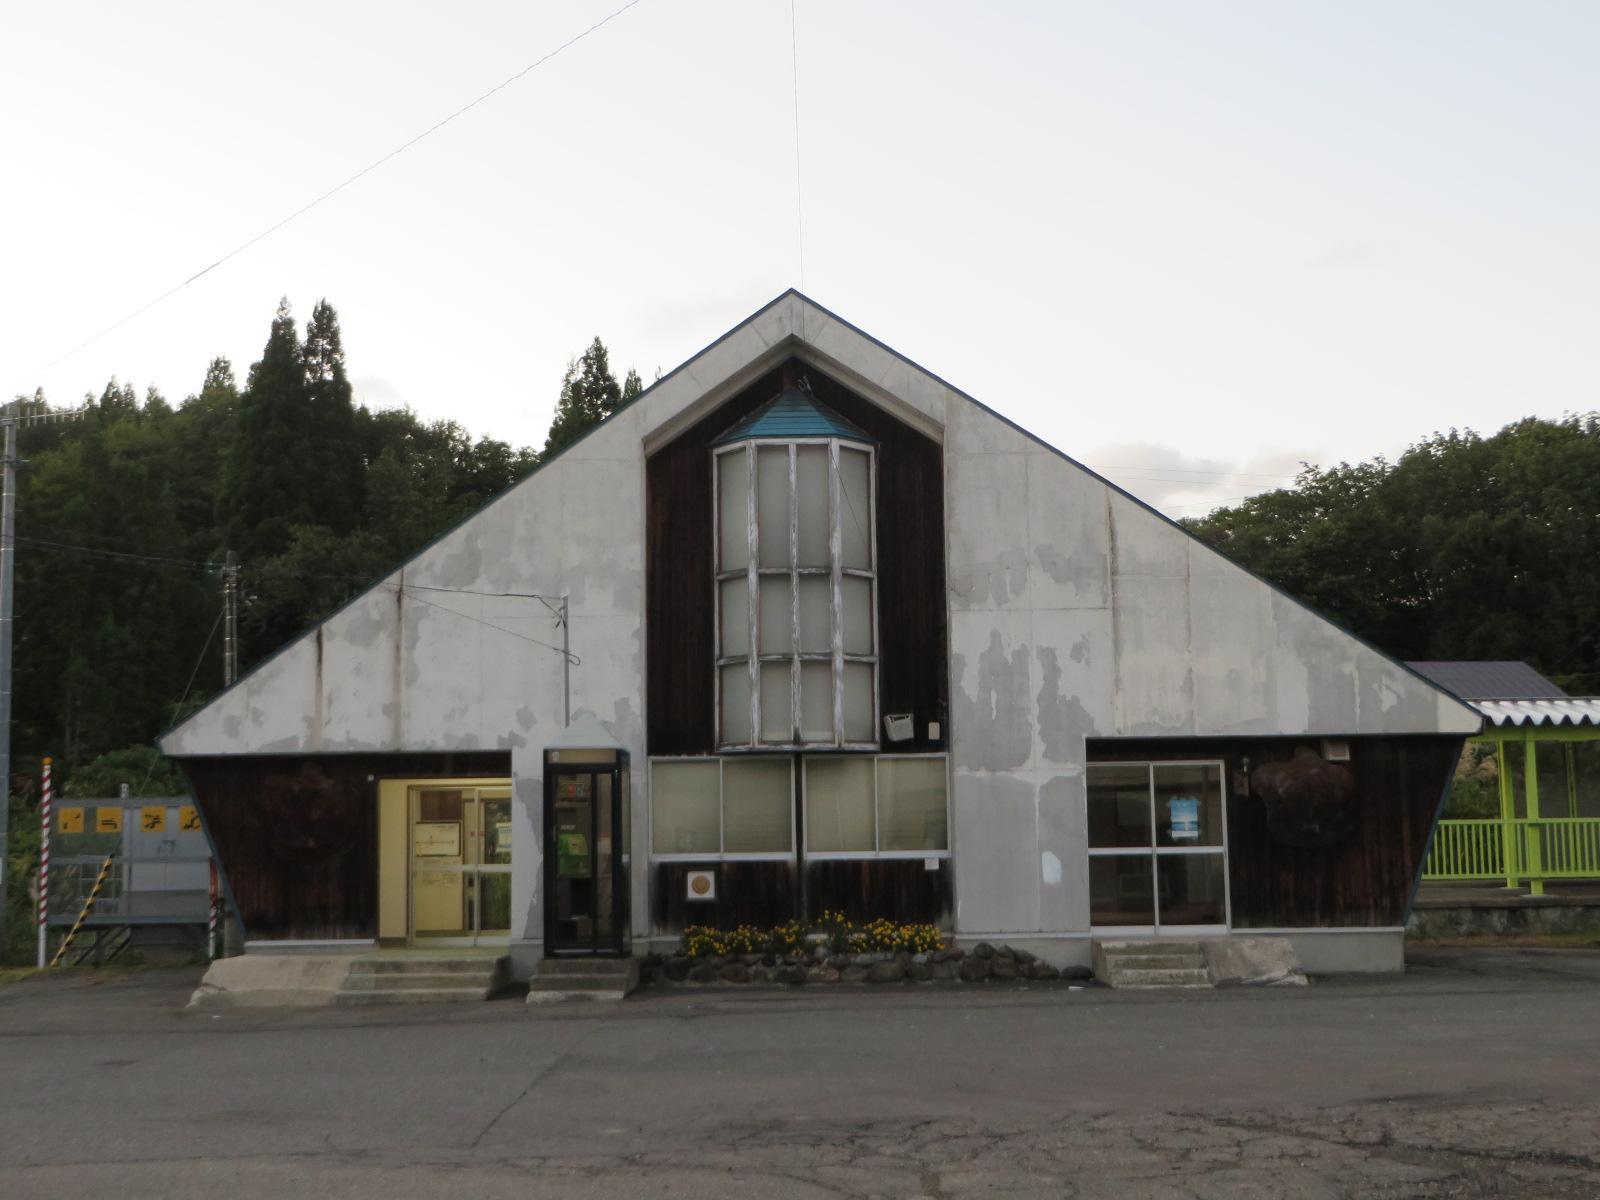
(793, 414)
(1489, 680)
(1572, 711)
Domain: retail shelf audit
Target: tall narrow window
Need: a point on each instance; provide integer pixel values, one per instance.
(797, 584)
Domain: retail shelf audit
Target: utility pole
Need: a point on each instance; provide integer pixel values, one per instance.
(13, 417)
(230, 618)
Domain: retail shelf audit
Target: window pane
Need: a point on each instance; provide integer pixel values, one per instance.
(683, 808)
(776, 634)
(757, 806)
(777, 723)
(911, 807)
(736, 705)
(1191, 889)
(816, 625)
(839, 804)
(734, 617)
(816, 702)
(772, 504)
(811, 482)
(733, 517)
(860, 722)
(1119, 806)
(1120, 892)
(857, 614)
(855, 505)
(1188, 805)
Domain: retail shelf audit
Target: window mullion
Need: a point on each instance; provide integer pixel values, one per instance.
(753, 591)
(796, 732)
(836, 592)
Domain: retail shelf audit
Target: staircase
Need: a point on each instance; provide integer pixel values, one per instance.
(411, 978)
(1150, 964)
(560, 979)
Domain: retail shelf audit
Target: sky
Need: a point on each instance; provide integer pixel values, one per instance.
(1193, 244)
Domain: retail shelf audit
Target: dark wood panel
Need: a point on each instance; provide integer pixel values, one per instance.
(748, 893)
(1366, 879)
(297, 837)
(901, 889)
(679, 566)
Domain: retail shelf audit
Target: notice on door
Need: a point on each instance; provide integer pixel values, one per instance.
(436, 839)
(1183, 812)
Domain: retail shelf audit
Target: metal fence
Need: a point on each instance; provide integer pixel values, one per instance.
(1538, 849)
(161, 869)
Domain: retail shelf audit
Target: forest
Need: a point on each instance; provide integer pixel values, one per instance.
(1465, 546)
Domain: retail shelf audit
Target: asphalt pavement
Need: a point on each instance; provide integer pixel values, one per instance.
(1477, 1073)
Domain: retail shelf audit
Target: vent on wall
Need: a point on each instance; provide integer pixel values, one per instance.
(1336, 749)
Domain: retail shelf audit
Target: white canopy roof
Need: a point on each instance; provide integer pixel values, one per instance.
(1571, 711)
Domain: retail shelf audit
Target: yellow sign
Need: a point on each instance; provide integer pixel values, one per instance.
(108, 820)
(189, 819)
(70, 821)
(153, 818)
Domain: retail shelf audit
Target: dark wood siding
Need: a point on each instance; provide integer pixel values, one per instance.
(297, 837)
(748, 893)
(679, 566)
(1366, 880)
(902, 889)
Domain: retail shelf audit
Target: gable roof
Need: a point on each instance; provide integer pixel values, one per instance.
(793, 414)
(1490, 680)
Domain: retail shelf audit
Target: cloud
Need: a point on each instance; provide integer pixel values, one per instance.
(1188, 485)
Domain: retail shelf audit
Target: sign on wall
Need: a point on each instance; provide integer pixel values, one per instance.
(108, 820)
(69, 820)
(153, 818)
(702, 885)
(1183, 813)
(189, 819)
(436, 839)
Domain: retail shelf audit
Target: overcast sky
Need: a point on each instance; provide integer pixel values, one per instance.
(1191, 243)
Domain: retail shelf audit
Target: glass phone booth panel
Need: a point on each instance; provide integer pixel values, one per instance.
(586, 821)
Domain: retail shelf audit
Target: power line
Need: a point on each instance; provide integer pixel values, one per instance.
(337, 188)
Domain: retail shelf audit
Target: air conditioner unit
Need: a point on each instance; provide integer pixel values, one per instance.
(1336, 749)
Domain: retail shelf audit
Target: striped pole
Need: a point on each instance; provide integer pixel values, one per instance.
(88, 907)
(44, 862)
(211, 926)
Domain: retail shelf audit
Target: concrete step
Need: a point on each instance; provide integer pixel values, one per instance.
(1147, 946)
(425, 964)
(587, 966)
(558, 980)
(439, 995)
(1156, 962)
(560, 997)
(482, 980)
(1192, 978)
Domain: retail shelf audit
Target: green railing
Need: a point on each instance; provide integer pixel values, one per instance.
(1541, 848)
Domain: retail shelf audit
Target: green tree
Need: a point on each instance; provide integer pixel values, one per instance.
(589, 394)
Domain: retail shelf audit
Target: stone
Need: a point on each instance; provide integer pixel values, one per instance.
(763, 974)
(837, 961)
(677, 969)
(854, 974)
(983, 950)
(702, 973)
(1077, 973)
(890, 971)
(820, 953)
(973, 969)
(822, 975)
(948, 954)
(1024, 957)
(1043, 971)
(1005, 952)
(948, 969)
(920, 958)
(735, 973)
(793, 973)
(750, 960)
(919, 972)
(1004, 968)
(769, 960)
(866, 959)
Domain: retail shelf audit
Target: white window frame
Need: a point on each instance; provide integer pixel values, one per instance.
(836, 572)
(720, 854)
(877, 833)
(1153, 852)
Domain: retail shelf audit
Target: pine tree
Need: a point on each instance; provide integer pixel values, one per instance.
(332, 461)
(589, 394)
(263, 495)
(631, 386)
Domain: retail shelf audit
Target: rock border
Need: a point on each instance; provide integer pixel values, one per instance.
(982, 963)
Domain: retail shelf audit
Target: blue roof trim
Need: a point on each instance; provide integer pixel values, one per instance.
(793, 414)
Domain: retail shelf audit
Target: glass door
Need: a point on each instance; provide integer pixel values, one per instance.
(1157, 848)
(460, 865)
(587, 890)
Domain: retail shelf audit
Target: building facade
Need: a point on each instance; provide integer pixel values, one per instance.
(838, 637)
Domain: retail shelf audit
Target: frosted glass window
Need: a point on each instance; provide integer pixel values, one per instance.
(858, 706)
(772, 505)
(735, 617)
(736, 705)
(855, 509)
(733, 517)
(857, 614)
(777, 722)
(839, 805)
(811, 489)
(757, 807)
(816, 702)
(776, 632)
(816, 614)
(684, 817)
(911, 804)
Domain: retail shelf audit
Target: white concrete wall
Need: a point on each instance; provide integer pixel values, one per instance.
(1074, 612)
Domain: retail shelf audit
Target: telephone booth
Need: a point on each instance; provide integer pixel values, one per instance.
(586, 843)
